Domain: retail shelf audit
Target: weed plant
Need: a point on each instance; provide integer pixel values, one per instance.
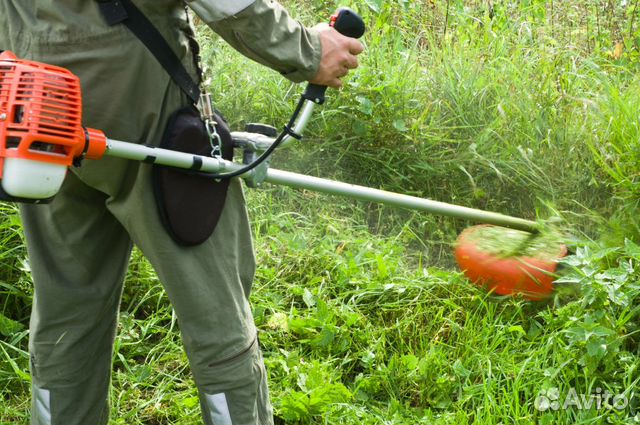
(527, 108)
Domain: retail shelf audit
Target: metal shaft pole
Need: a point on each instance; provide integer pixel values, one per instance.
(214, 165)
(397, 200)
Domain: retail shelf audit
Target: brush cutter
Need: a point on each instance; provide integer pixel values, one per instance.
(41, 136)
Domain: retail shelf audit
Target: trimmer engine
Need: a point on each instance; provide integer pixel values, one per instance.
(41, 132)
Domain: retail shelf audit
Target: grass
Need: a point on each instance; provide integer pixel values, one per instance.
(525, 109)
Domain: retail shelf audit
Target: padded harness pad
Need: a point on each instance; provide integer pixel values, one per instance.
(189, 203)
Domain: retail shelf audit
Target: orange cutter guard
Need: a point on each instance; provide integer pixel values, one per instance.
(41, 114)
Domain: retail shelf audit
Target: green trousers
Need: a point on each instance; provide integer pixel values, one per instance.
(79, 247)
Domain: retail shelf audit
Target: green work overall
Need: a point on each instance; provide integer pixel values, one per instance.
(79, 245)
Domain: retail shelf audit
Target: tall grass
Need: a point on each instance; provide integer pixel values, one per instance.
(615, 145)
(494, 114)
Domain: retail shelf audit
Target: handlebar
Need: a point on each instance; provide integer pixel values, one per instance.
(348, 23)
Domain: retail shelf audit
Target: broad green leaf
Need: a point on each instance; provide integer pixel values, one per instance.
(8, 326)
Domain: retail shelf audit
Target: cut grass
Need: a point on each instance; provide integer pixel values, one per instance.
(504, 243)
(357, 329)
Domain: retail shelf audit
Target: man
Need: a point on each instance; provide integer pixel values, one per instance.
(79, 244)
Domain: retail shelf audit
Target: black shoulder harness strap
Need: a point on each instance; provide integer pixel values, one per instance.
(125, 12)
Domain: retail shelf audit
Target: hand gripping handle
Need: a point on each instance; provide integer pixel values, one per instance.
(348, 23)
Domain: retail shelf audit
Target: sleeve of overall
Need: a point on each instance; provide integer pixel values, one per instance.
(263, 31)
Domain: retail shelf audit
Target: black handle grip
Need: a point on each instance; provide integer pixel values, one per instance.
(348, 23)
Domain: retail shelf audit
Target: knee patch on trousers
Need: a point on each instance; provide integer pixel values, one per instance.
(41, 406)
(234, 391)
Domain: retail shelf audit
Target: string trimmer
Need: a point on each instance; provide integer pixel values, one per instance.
(41, 136)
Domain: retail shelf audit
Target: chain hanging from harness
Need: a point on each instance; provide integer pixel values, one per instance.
(205, 102)
(207, 113)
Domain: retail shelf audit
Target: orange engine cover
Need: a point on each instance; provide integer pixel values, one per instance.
(41, 113)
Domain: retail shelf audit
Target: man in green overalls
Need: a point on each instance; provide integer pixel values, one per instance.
(79, 245)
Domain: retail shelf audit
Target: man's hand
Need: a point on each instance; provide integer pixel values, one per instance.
(338, 56)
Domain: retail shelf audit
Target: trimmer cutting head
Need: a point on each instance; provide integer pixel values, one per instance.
(41, 132)
(510, 262)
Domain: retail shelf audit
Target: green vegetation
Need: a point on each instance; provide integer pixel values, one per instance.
(504, 242)
(527, 108)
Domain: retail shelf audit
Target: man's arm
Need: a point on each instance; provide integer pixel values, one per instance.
(263, 31)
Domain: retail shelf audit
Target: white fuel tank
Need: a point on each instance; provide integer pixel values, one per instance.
(30, 179)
